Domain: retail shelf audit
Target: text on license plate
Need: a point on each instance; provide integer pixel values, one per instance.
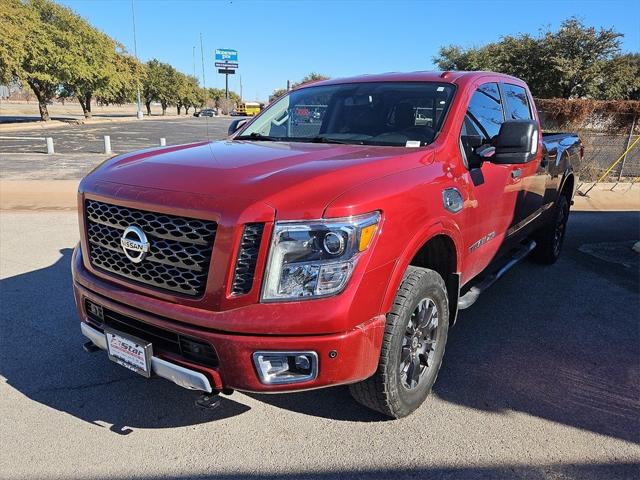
(130, 352)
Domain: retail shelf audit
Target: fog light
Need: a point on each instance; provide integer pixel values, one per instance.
(303, 363)
(286, 367)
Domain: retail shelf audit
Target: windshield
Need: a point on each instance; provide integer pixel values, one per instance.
(406, 114)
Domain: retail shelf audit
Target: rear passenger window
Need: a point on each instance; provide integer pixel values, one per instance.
(485, 110)
(517, 103)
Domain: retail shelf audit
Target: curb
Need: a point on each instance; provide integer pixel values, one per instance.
(72, 122)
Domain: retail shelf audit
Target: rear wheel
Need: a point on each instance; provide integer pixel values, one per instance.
(412, 347)
(551, 238)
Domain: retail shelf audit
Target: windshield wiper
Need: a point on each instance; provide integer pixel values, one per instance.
(341, 141)
(257, 136)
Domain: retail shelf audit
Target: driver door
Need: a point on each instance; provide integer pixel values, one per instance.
(491, 189)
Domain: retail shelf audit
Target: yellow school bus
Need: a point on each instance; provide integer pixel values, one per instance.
(248, 108)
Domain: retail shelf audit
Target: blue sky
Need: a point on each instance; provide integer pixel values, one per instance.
(280, 40)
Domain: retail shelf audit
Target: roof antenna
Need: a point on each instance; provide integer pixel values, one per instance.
(445, 74)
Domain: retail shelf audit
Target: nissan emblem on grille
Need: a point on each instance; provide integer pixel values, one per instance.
(134, 244)
(176, 256)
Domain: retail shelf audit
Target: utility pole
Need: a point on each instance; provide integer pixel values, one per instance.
(139, 113)
(241, 98)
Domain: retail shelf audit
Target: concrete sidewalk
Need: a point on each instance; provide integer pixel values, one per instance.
(43, 195)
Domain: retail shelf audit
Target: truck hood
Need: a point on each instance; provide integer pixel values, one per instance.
(296, 179)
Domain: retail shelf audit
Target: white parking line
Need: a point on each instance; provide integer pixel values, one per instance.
(22, 138)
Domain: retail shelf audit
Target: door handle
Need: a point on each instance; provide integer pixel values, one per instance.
(515, 173)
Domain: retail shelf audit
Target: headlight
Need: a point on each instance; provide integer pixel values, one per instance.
(316, 258)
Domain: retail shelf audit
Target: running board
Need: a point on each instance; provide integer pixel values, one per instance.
(474, 292)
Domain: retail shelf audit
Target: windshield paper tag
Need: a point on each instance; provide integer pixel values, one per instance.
(412, 143)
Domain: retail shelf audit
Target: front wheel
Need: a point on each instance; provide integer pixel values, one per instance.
(412, 347)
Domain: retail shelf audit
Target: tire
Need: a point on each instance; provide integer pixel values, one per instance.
(408, 368)
(551, 238)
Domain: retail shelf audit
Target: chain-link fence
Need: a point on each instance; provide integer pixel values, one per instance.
(602, 149)
(605, 137)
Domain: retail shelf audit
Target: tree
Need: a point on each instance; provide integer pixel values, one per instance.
(122, 87)
(92, 58)
(572, 62)
(160, 85)
(32, 48)
(189, 93)
(622, 79)
(218, 96)
(277, 93)
(17, 24)
(312, 77)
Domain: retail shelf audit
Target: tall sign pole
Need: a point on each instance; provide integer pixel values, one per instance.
(226, 62)
(139, 113)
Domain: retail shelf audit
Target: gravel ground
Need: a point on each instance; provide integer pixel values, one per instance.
(540, 381)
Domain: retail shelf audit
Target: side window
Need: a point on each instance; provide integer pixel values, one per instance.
(485, 110)
(517, 103)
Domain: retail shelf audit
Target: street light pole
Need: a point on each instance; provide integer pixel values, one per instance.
(139, 113)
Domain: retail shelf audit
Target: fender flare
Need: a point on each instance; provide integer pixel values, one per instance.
(566, 175)
(440, 226)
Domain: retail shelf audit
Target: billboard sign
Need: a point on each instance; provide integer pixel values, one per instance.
(226, 71)
(226, 65)
(226, 55)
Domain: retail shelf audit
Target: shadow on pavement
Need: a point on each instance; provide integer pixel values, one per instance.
(560, 343)
(591, 471)
(41, 356)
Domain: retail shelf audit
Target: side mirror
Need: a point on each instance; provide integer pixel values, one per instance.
(476, 151)
(236, 125)
(517, 142)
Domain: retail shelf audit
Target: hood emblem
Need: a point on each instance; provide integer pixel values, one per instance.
(134, 244)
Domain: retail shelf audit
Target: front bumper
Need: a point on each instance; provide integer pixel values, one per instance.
(345, 356)
(181, 376)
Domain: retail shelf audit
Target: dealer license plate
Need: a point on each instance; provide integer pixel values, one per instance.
(129, 351)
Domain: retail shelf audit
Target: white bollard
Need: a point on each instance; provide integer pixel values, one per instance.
(107, 144)
(163, 142)
(50, 150)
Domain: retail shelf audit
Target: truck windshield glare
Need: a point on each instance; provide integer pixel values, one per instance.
(378, 113)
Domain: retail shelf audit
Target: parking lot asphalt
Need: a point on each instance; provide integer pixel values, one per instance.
(540, 381)
(125, 136)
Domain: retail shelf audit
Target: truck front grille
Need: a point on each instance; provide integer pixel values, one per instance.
(247, 258)
(179, 253)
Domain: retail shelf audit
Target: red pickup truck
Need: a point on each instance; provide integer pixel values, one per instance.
(330, 240)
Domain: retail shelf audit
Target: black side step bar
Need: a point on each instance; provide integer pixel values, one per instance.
(474, 292)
